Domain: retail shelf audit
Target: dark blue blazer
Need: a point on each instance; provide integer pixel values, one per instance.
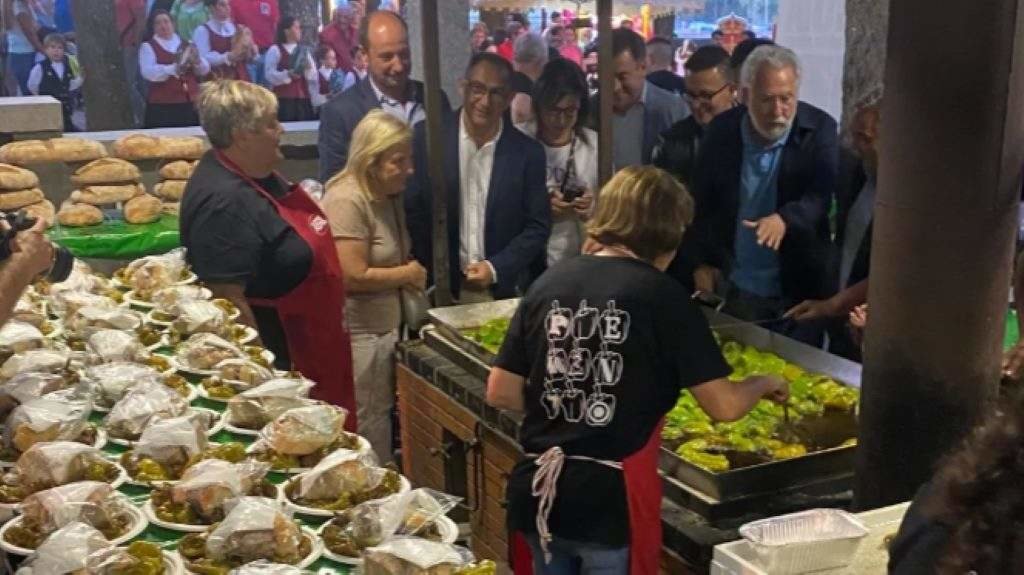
(339, 117)
(806, 185)
(517, 222)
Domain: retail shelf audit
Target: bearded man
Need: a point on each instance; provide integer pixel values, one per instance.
(764, 181)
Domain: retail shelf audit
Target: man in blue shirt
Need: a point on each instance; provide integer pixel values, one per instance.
(763, 184)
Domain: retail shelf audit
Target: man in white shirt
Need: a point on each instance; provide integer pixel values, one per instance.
(384, 37)
(499, 216)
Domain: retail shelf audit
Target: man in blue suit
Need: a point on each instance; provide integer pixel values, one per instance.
(499, 216)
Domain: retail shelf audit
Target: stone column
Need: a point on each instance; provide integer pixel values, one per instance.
(952, 147)
(453, 42)
(308, 12)
(107, 102)
(867, 22)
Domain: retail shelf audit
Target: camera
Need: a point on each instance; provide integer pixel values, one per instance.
(63, 261)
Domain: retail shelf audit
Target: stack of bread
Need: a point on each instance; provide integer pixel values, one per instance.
(19, 190)
(108, 182)
(178, 155)
(175, 175)
(28, 152)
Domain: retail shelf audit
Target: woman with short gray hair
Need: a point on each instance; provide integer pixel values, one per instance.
(264, 244)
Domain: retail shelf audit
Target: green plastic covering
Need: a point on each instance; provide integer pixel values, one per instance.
(1012, 333)
(118, 240)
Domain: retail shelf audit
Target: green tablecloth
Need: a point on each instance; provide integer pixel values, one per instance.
(118, 240)
(1012, 334)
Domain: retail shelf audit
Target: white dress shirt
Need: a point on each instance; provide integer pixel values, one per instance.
(154, 72)
(283, 77)
(475, 167)
(35, 77)
(201, 37)
(410, 112)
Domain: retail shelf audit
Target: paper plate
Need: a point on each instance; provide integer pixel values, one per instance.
(178, 366)
(150, 513)
(250, 336)
(129, 298)
(449, 534)
(218, 424)
(189, 279)
(139, 524)
(173, 565)
(157, 322)
(239, 430)
(58, 330)
(317, 549)
(364, 447)
(403, 487)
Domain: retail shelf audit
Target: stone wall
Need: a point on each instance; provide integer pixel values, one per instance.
(867, 25)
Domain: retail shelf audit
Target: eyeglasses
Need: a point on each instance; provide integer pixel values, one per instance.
(477, 91)
(705, 97)
(566, 113)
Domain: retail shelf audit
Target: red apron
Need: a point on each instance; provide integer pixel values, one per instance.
(643, 497)
(312, 315)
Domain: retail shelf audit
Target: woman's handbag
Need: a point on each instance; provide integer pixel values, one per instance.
(415, 302)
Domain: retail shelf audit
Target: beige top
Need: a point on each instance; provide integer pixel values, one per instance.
(353, 215)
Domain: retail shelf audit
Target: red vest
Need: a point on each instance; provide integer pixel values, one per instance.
(222, 45)
(297, 89)
(173, 90)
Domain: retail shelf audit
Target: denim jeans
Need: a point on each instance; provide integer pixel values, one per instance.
(577, 558)
(21, 67)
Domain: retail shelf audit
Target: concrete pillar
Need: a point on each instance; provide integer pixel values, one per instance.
(815, 30)
(107, 101)
(952, 147)
(867, 22)
(453, 43)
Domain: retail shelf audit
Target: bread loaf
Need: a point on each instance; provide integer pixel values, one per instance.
(171, 190)
(10, 201)
(142, 209)
(177, 170)
(15, 178)
(78, 215)
(53, 150)
(106, 171)
(100, 195)
(172, 208)
(43, 210)
(143, 147)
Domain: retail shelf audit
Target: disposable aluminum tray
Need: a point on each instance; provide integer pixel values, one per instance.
(453, 321)
(775, 475)
(804, 542)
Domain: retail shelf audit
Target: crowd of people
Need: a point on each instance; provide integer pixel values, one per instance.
(725, 180)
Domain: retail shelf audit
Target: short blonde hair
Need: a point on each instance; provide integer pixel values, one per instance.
(377, 134)
(228, 105)
(643, 209)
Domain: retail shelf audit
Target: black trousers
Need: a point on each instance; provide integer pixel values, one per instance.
(171, 115)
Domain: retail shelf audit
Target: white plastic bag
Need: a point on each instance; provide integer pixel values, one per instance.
(243, 373)
(199, 316)
(207, 485)
(47, 465)
(303, 430)
(264, 567)
(90, 319)
(65, 551)
(340, 471)
(418, 552)
(41, 360)
(166, 299)
(66, 303)
(110, 381)
(91, 502)
(25, 387)
(18, 337)
(255, 528)
(45, 419)
(140, 405)
(172, 441)
(255, 407)
(110, 345)
(205, 350)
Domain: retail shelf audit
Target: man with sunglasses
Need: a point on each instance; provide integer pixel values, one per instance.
(499, 214)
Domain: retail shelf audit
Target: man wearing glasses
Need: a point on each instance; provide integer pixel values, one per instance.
(499, 217)
(765, 177)
(709, 92)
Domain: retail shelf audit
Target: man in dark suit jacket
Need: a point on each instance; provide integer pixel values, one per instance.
(385, 39)
(499, 215)
(851, 258)
(764, 182)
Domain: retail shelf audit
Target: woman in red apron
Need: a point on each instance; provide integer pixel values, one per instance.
(218, 40)
(291, 71)
(605, 361)
(265, 244)
(172, 68)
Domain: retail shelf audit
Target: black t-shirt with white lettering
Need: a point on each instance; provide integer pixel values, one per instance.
(606, 345)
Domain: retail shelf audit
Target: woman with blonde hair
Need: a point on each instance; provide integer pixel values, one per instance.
(262, 243)
(363, 205)
(606, 342)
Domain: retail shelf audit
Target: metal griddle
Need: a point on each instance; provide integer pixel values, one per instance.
(449, 339)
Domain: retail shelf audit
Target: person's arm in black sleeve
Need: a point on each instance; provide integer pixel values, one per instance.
(812, 206)
(699, 246)
(418, 212)
(505, 385)
(531, 242)
(333, 139)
